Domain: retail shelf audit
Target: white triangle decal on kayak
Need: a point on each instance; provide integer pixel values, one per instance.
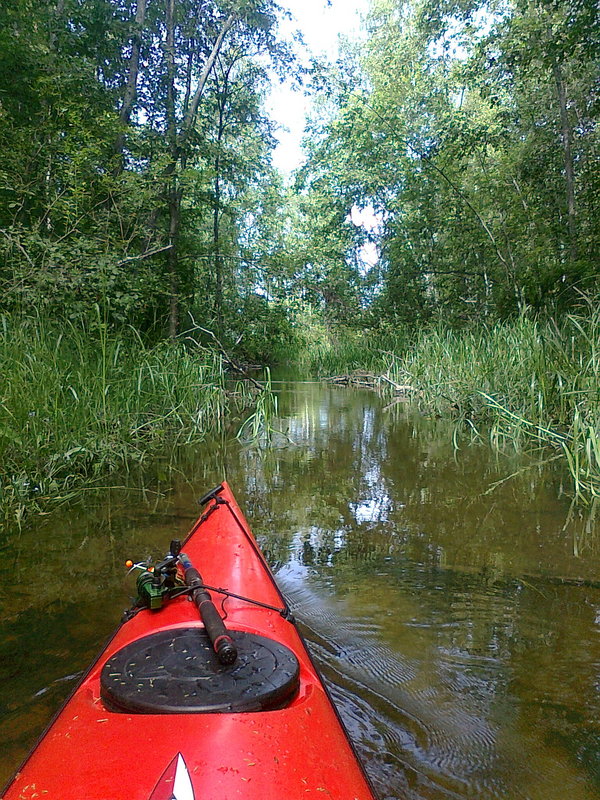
(183, 789)
(175, 782)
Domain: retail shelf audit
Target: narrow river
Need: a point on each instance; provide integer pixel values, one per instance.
(455, 614)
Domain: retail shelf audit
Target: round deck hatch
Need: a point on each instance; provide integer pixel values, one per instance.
(177, 672)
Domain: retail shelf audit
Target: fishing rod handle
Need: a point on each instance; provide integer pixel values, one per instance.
(221, 641)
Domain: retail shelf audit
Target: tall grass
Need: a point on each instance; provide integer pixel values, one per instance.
(258, 427)
(77, 404)
(524, 381)
(325, 349)
(527, 380)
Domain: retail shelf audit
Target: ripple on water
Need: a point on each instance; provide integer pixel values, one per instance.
(420, 735)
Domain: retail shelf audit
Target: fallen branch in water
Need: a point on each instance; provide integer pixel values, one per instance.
(369, 380)
(401, 388)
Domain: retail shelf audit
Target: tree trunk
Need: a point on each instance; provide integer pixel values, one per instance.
(132, 78)
(177, 149)
(190, 116)
(222, 99)
(171, 173)
(172, 261)
(170, 102)
(188, 79)
(567, 138)
(216, 249)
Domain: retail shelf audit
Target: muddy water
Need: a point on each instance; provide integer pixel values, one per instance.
(454, 614)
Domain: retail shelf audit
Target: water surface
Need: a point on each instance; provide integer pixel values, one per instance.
(455, 614)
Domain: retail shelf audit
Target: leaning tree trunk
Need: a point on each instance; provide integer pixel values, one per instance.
(132, 79)
(217, 214)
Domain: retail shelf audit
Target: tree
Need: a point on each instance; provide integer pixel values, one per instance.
(467, 132)
(103, 151)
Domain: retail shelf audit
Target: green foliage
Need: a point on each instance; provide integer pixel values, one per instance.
(266, 332)
(78, 403)
(307, 250)
(112, 204)
(325, 348)
(475, 136)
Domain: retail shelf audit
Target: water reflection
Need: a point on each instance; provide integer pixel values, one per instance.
(457, 626)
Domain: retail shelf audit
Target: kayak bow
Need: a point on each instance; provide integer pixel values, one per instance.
(163, 715)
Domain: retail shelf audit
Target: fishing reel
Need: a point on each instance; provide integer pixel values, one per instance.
(176, 575)
(158, 583)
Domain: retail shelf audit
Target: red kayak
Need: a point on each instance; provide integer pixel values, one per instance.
(205, 692)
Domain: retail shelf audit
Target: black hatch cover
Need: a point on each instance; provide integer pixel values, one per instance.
(177, 672)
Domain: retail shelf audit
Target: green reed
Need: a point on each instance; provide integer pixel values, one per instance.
(80, 402)
(526, 381)
(258, 427)
(328, 350)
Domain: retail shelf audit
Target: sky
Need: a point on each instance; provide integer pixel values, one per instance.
(321, 24)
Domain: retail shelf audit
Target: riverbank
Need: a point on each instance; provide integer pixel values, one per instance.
(79, 403)
(525, 382)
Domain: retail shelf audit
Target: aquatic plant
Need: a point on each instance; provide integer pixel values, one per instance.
(258, 427)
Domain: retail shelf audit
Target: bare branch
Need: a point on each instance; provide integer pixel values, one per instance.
(19, 246)
(147, 254)
(232, 363)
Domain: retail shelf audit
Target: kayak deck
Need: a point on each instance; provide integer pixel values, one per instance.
(128, 732)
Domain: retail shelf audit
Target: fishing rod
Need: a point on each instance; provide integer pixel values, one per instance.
(221, 641)
(163, 581)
